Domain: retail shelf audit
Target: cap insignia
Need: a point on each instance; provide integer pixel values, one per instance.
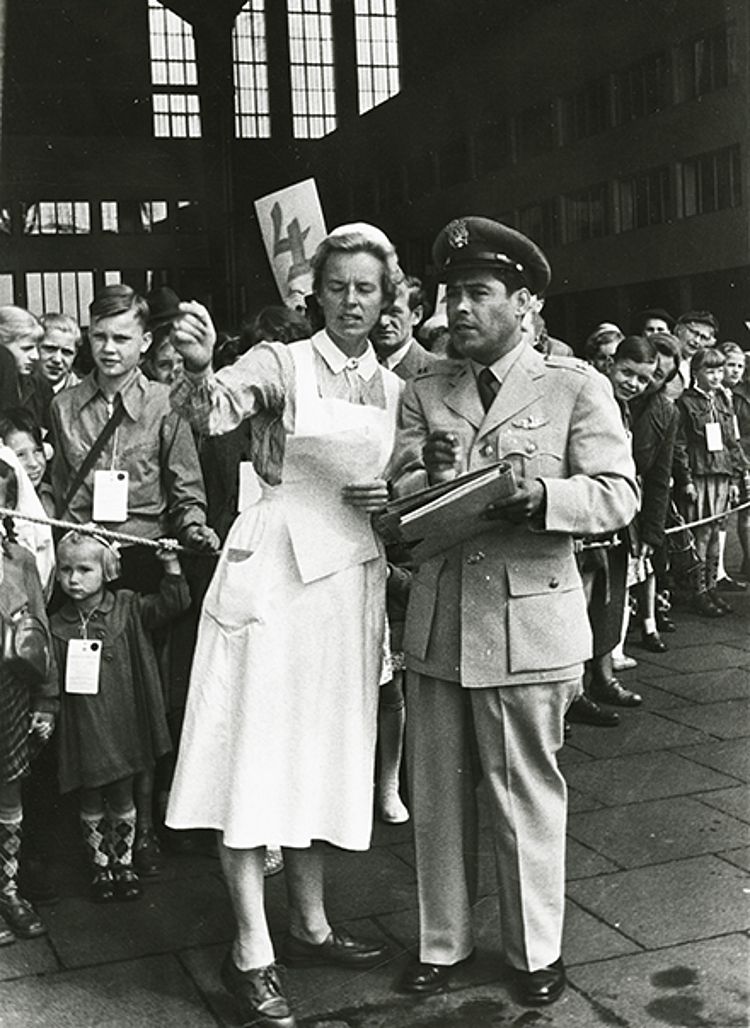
(458, 234)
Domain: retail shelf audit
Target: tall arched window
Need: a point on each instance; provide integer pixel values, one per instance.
(174, 74)
(251, 108)
(311, 68)
(376, 29)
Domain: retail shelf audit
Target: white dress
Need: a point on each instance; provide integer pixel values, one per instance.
(280, 726)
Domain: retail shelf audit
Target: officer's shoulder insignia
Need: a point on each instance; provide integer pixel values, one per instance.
(556, 360)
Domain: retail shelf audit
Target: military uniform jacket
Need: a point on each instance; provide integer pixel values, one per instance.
(506, 607)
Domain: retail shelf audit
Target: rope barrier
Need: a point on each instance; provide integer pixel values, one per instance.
(105, 533)
(706, 520)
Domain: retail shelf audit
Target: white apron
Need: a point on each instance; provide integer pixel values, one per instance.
(279, 735)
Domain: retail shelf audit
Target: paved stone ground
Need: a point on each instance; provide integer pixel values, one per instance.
(658, 891)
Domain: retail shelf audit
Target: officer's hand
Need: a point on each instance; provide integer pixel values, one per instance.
(194, 335)
(368, 496)
(691, 492)
(734, 494)
(525, 502)
(441, 455)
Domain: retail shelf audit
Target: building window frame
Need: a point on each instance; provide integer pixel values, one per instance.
(174, 75)
(377, 52)
(312, 68)
(252, 110)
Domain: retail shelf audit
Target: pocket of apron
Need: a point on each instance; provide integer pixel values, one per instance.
(235, 596)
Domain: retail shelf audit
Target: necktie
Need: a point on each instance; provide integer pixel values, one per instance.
(488, 387)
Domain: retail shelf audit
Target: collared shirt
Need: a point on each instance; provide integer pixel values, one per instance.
(501, 366)
(152, 443)
(392, 360)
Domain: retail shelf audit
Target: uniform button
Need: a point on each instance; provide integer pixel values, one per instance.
(487, 450)
(554, 582)
(474, 558)
(108, 656)
(530, 447)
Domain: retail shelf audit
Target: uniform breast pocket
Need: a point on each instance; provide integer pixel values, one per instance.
(548, 625)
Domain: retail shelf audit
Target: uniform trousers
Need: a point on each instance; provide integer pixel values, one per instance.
(510, 736)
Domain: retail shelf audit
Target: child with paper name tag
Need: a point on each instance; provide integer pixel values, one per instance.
(112, 721)
(708, 466)
(28, 703)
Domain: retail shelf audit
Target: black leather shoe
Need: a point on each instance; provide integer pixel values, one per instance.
(718, 601)
(21, 917)
(102, 886)
(653, 642)
(614, 693)
(258, 995)
(424, 979)
(340, 949)
(664, 623)
(584, 711)
(705, 606)
(147, 858)
(539, 988)
(127, 885)
(731, 585)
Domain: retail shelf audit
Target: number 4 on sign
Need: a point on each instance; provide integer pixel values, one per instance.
(293, 243)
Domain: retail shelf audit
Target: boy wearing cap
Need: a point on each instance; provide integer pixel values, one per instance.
(496, 630)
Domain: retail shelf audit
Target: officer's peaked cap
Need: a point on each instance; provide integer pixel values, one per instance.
(474, 242)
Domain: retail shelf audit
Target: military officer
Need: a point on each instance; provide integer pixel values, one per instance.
(496, 631)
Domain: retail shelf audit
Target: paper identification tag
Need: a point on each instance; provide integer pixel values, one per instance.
(714, 441)
(736, 424)
(110, 496)
(249, 490)
(82, 666)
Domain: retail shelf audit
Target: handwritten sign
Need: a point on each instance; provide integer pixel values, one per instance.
(292, 224)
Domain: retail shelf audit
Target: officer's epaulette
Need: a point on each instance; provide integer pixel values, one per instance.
(556, 360)
(444, 366)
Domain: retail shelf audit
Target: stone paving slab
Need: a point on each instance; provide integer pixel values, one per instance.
(579, 800)
(734, 801)
(727, 720)
(731, 683)
(154, 991)
(638, 732)
(645, 776)
(697, 657)
(27, 957)
(169, 916)
(583, 861)
(655, 697)
(698, 985)
(740, 858)
(666, 904)
(375, 882)
(658, 831)
(731, 757)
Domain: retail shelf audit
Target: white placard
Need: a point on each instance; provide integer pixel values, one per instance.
(714, 441)
(292, 225)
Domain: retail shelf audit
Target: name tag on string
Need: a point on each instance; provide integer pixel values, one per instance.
(82, 664)
(248, 487)
(110, 496)
(736, 424)
(714, 442)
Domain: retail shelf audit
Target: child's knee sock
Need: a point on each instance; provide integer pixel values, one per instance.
(94, 831)
(10, 845)
(122, 836)
(721, 571)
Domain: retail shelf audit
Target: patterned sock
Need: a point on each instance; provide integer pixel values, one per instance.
(10, 844)
(121, 836)
(94, 831)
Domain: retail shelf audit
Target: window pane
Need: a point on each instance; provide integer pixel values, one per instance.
(173, 70)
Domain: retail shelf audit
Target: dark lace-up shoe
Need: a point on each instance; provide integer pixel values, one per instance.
(258, 995)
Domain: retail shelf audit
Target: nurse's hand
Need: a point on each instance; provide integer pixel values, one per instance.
(369, 496)
(194, 335)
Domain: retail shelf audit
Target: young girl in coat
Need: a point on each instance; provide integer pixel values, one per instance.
(708, 465)
(28, 702)
(112, 719)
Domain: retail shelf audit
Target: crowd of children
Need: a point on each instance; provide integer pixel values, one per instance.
(97, 639)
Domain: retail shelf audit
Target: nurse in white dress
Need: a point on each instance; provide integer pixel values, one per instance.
(279, 735)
